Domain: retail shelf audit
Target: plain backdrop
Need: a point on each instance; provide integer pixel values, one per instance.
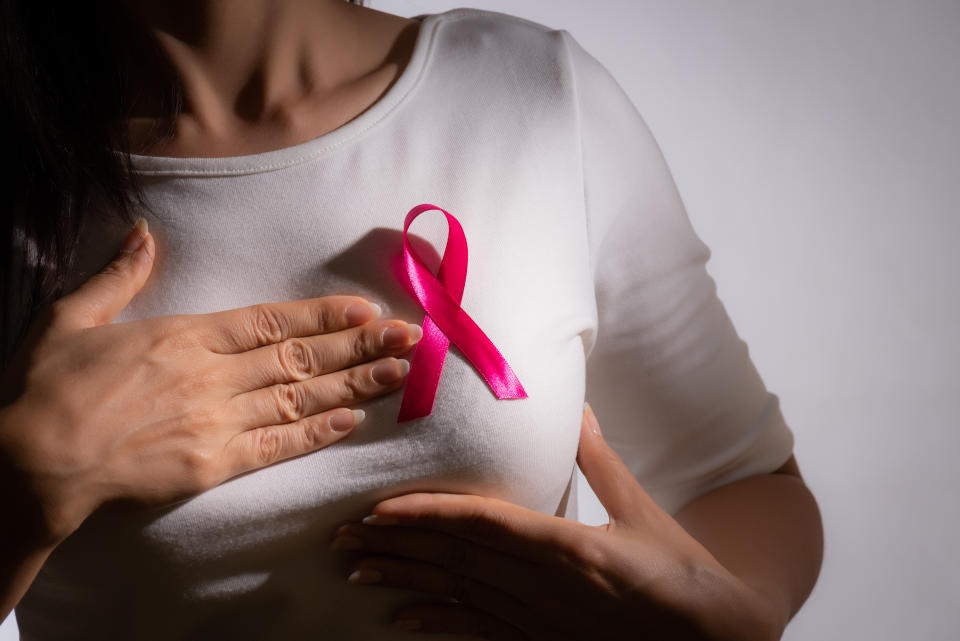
(816, 145)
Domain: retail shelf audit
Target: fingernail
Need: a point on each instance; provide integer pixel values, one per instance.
(406, 625)
(346, 543)
(365, 575)
(380, 519)
(136, 236)
(390, 371)
(402, 336)
(416, 332)
(592, 422)
(360, 313)
(343, 421)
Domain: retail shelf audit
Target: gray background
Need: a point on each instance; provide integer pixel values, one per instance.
(817, 148)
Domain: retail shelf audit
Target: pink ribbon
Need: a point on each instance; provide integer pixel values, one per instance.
(446, 321)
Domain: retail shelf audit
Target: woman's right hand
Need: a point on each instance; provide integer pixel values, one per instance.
(157, 410)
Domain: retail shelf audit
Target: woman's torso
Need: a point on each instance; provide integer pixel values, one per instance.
(481, 123)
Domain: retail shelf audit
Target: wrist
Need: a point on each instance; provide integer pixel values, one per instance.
(737, 611)
(37, 525)
(763, 621)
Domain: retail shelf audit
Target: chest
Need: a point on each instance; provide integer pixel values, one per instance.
(527, 287)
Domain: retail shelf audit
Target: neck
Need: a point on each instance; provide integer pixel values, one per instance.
(243, 62)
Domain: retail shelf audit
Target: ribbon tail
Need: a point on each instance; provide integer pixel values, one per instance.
(459, 328)
(484, 356)
(426, 365)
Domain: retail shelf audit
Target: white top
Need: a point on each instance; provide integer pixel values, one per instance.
(583, 270)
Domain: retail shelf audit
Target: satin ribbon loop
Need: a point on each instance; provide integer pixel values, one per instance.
(446, 321)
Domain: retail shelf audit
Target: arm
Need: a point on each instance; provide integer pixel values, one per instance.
(19, 566)
(766, 530)
(681, 400)
(23, 549)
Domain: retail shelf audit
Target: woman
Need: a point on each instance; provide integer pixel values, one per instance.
(305, 133)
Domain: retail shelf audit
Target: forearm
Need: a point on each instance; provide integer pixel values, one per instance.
(18, 569)
(25, 542)
(23, 546)
(766, 530)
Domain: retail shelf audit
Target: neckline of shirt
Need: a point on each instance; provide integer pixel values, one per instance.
(287, 156)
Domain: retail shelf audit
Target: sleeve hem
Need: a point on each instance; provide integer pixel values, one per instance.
(765, 454)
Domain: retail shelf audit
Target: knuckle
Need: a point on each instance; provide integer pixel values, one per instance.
(267, 325)
(199, 469)
(289, 401)
(268, 445)
(352, 388)
(115, 269)
(360, 346)
(315, 434)
(327, 312)
(295, 358)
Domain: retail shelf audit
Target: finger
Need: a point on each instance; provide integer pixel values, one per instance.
(456, 619)
(422, 577)
(297, 359)
(507, 573)
(257, 448)
(487, 521)
(238, 330)
(610, 479)
(287, 402)
(98, 300)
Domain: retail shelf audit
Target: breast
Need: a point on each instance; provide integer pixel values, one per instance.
(253, 551)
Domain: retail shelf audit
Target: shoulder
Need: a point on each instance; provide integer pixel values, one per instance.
(480, 44)
(486, 25)
(492, 37)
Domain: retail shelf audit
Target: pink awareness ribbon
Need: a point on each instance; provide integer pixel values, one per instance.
(446, 321)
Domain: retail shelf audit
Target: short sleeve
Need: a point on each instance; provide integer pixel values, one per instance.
(670, 380)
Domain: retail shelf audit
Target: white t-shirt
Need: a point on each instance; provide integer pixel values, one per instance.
(583, 270)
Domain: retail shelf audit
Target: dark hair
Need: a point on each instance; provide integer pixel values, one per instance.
(65, 91)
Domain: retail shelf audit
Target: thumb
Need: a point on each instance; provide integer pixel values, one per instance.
(100, 299)
(609, 478)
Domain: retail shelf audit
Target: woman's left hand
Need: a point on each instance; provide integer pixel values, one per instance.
(513, 573)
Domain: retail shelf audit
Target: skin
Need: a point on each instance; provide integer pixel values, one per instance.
(735, 563)
(259, 75)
